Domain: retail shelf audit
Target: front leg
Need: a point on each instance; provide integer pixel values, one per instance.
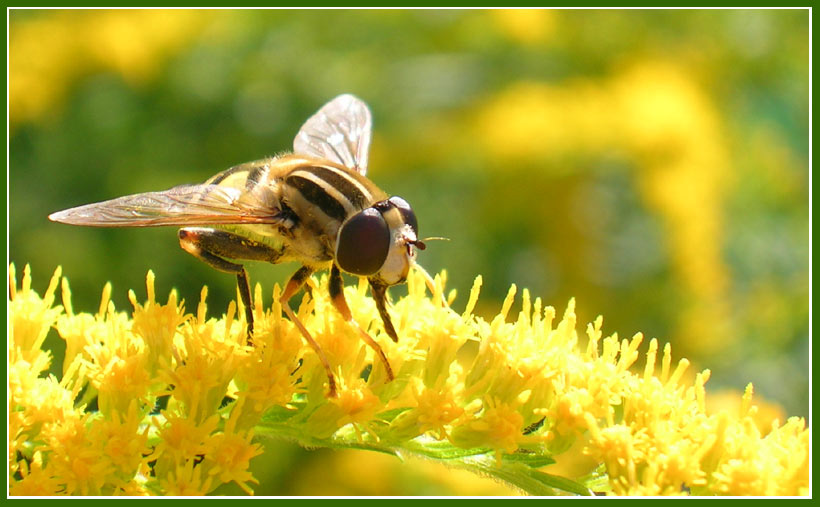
(213, 246)
(337, 297)
(379, 292)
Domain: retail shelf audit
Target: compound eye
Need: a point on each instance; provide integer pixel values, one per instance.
(363, 243)
(406, 212)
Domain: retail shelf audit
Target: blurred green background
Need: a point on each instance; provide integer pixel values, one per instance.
(652, 164)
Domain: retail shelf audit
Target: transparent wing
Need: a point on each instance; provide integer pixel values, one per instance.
(181, 206)
(339, 131)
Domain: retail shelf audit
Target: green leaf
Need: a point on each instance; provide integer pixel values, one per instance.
(562, 483)
(438, 449)
(597, 480)
(277, 415)
(389, 415)
(532, 460)
(526, 478)
(516, 469)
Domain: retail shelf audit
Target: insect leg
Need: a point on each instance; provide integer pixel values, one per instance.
(244, 288)
(337, 297)
(379, 292)
(212, 246)
(293, 285)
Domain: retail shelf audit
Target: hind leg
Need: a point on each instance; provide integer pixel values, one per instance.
(215, 246)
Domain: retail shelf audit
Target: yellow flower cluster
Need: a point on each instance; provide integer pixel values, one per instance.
(164, 402)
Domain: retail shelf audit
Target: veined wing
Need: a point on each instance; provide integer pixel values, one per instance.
(180, 206)
(339, 131)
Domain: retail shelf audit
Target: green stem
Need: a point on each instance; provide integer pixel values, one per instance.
(519, 470)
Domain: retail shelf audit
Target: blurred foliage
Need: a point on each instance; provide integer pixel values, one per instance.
(654, 164)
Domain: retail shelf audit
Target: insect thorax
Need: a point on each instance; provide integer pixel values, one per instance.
(313, 198)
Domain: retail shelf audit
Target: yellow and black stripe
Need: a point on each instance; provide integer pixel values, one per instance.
(312, 188)
(334, 191)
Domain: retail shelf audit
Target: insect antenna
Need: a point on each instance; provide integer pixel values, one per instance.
(419, 243)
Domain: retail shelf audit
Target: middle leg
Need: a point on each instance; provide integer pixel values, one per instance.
(296, 281)
(337, 297)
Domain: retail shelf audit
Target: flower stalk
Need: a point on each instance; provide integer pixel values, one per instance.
(164, 402)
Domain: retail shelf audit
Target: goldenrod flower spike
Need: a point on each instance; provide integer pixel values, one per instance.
(530, 400)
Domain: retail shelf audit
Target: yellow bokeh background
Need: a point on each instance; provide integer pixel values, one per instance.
(653, 164)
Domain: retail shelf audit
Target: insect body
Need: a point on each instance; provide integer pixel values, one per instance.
(315, 207)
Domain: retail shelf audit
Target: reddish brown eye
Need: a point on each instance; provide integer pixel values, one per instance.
(406, 212)
(363, 243)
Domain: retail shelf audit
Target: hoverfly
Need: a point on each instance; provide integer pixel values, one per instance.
(315, 206)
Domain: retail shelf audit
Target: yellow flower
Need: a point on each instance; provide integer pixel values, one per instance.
(123, 439)
(204, 369)
(181, 440)
(355, 404)
(117, 369)
(436, 407)
(186, 480)
(34, 480)
(497, 425)
(775, 464)
(231, 454)
(32, 317)
(531, 396)
(156, 325)
(78, 460)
